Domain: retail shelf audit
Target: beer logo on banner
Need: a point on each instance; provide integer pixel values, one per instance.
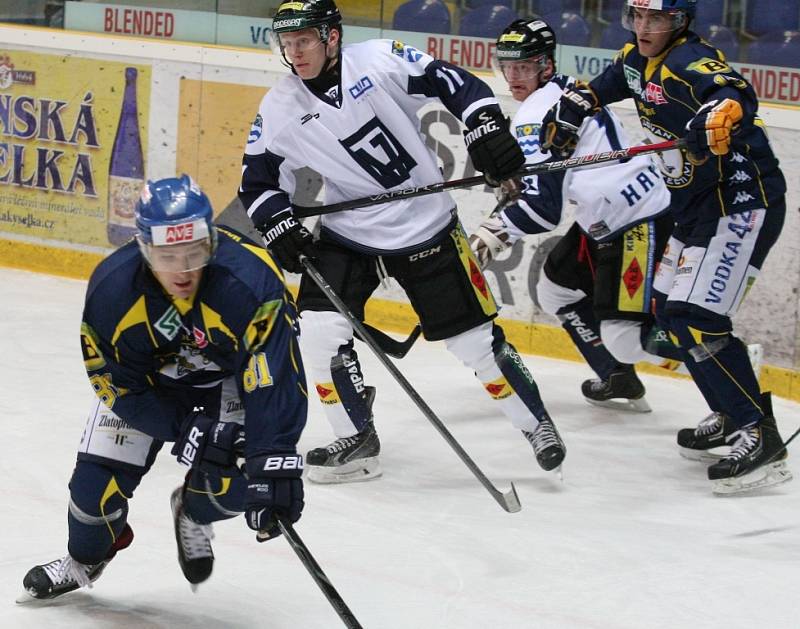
(9, 75)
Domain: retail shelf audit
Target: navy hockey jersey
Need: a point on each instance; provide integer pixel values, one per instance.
(149, 358)
(668, 90)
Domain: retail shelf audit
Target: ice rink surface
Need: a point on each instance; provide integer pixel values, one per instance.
(632, 538)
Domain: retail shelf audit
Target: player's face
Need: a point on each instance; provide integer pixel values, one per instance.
(653, 30)
(526, 76)
(306, 52)
(181, 285)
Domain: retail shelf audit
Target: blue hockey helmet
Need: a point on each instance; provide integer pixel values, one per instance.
(174, 225)
(671, 13)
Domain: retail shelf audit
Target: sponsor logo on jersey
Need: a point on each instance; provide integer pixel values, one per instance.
(169, 324)
(654, 94)
(255, 129)
(634, 79)
(477, 279)
(409, 53)
(112, 421)
(363, 84)
(584, 331)
(234, 405)
(707, 65)
(355, 375)
(327, 393)
(742, 197)
(738, 158)
(498, 389)
(424, 254)
(741, 225)
(307, 118)
(739, 177)
(200, 338)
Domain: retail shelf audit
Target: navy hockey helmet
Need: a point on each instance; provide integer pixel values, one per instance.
(674, 12)
(174, 225)
(524, 39)
(297, 16)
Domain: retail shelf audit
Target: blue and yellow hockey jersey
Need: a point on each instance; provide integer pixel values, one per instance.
(668, 91)
(152, 358)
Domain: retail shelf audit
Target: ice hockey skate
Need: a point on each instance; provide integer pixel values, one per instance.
(65, 574)
(696, 444)
(194, 543)
(622, 390)
(547, 445)
(347, 459)
(757, 458)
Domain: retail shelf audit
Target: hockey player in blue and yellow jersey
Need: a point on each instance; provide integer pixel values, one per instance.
(188, 336)
(727, 197)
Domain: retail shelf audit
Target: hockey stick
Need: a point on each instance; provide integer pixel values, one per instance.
(317, 574)
(509, 500)
(301, 211)
(393, 347)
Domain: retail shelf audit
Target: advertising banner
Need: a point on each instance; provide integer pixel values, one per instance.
(72, 139)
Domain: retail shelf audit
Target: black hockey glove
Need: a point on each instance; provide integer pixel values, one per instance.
(492, 148)
(559, 132)
(209, 445)
(287, 239)
(275, 487)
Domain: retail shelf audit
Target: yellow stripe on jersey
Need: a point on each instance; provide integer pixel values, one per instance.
(473, 270)
(111, 489)
(136, 315)
(212, 320)
(262, 253)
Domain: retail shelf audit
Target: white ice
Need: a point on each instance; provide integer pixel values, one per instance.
(632, 538)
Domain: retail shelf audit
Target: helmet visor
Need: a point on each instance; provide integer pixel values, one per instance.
(519, 69)
(641, 20)
(294, 43)
(178, 258)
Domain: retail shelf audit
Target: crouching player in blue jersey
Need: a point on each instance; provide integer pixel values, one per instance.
(188, 336)
(728, 200)
(597, 279)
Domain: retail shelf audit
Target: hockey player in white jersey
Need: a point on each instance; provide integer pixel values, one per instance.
(597, 279)
(350, 113)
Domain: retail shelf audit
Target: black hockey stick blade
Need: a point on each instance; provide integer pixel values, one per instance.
(393, 347)
(301, 211)
(316, 572)
(509, 500)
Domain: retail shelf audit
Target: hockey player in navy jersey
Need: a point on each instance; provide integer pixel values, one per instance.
(350, 113)
(188, 337)
(728, 200)
(597, 280)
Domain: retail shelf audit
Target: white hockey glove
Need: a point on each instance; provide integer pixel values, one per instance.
(489, 239)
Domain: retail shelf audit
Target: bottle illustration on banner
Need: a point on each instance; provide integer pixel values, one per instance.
(126, 167)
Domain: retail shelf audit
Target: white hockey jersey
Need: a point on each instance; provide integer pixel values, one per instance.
(363, 139)
(606, 199)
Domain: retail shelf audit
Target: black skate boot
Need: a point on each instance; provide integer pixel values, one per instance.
(66, 575)
(695, 443)
(348, 459)
(547, 444)
(194, 543)
(757, 458)
(622, 390)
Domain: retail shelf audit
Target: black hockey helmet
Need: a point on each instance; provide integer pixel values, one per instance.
(296, 16)
(530, 38)
(526, 38)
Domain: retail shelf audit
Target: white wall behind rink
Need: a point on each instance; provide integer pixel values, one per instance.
(769, 316)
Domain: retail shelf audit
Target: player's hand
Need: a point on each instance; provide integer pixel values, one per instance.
(709, 132)
(287, 240)
(492, 148)
(209, 444)
(275, 488)
(560, 126)
(489, 239)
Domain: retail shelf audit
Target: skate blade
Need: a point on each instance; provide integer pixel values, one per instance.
(26, 598)
(621, 404)
(765, 476)
(700, 455)
(352, 472)
(559, 472)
